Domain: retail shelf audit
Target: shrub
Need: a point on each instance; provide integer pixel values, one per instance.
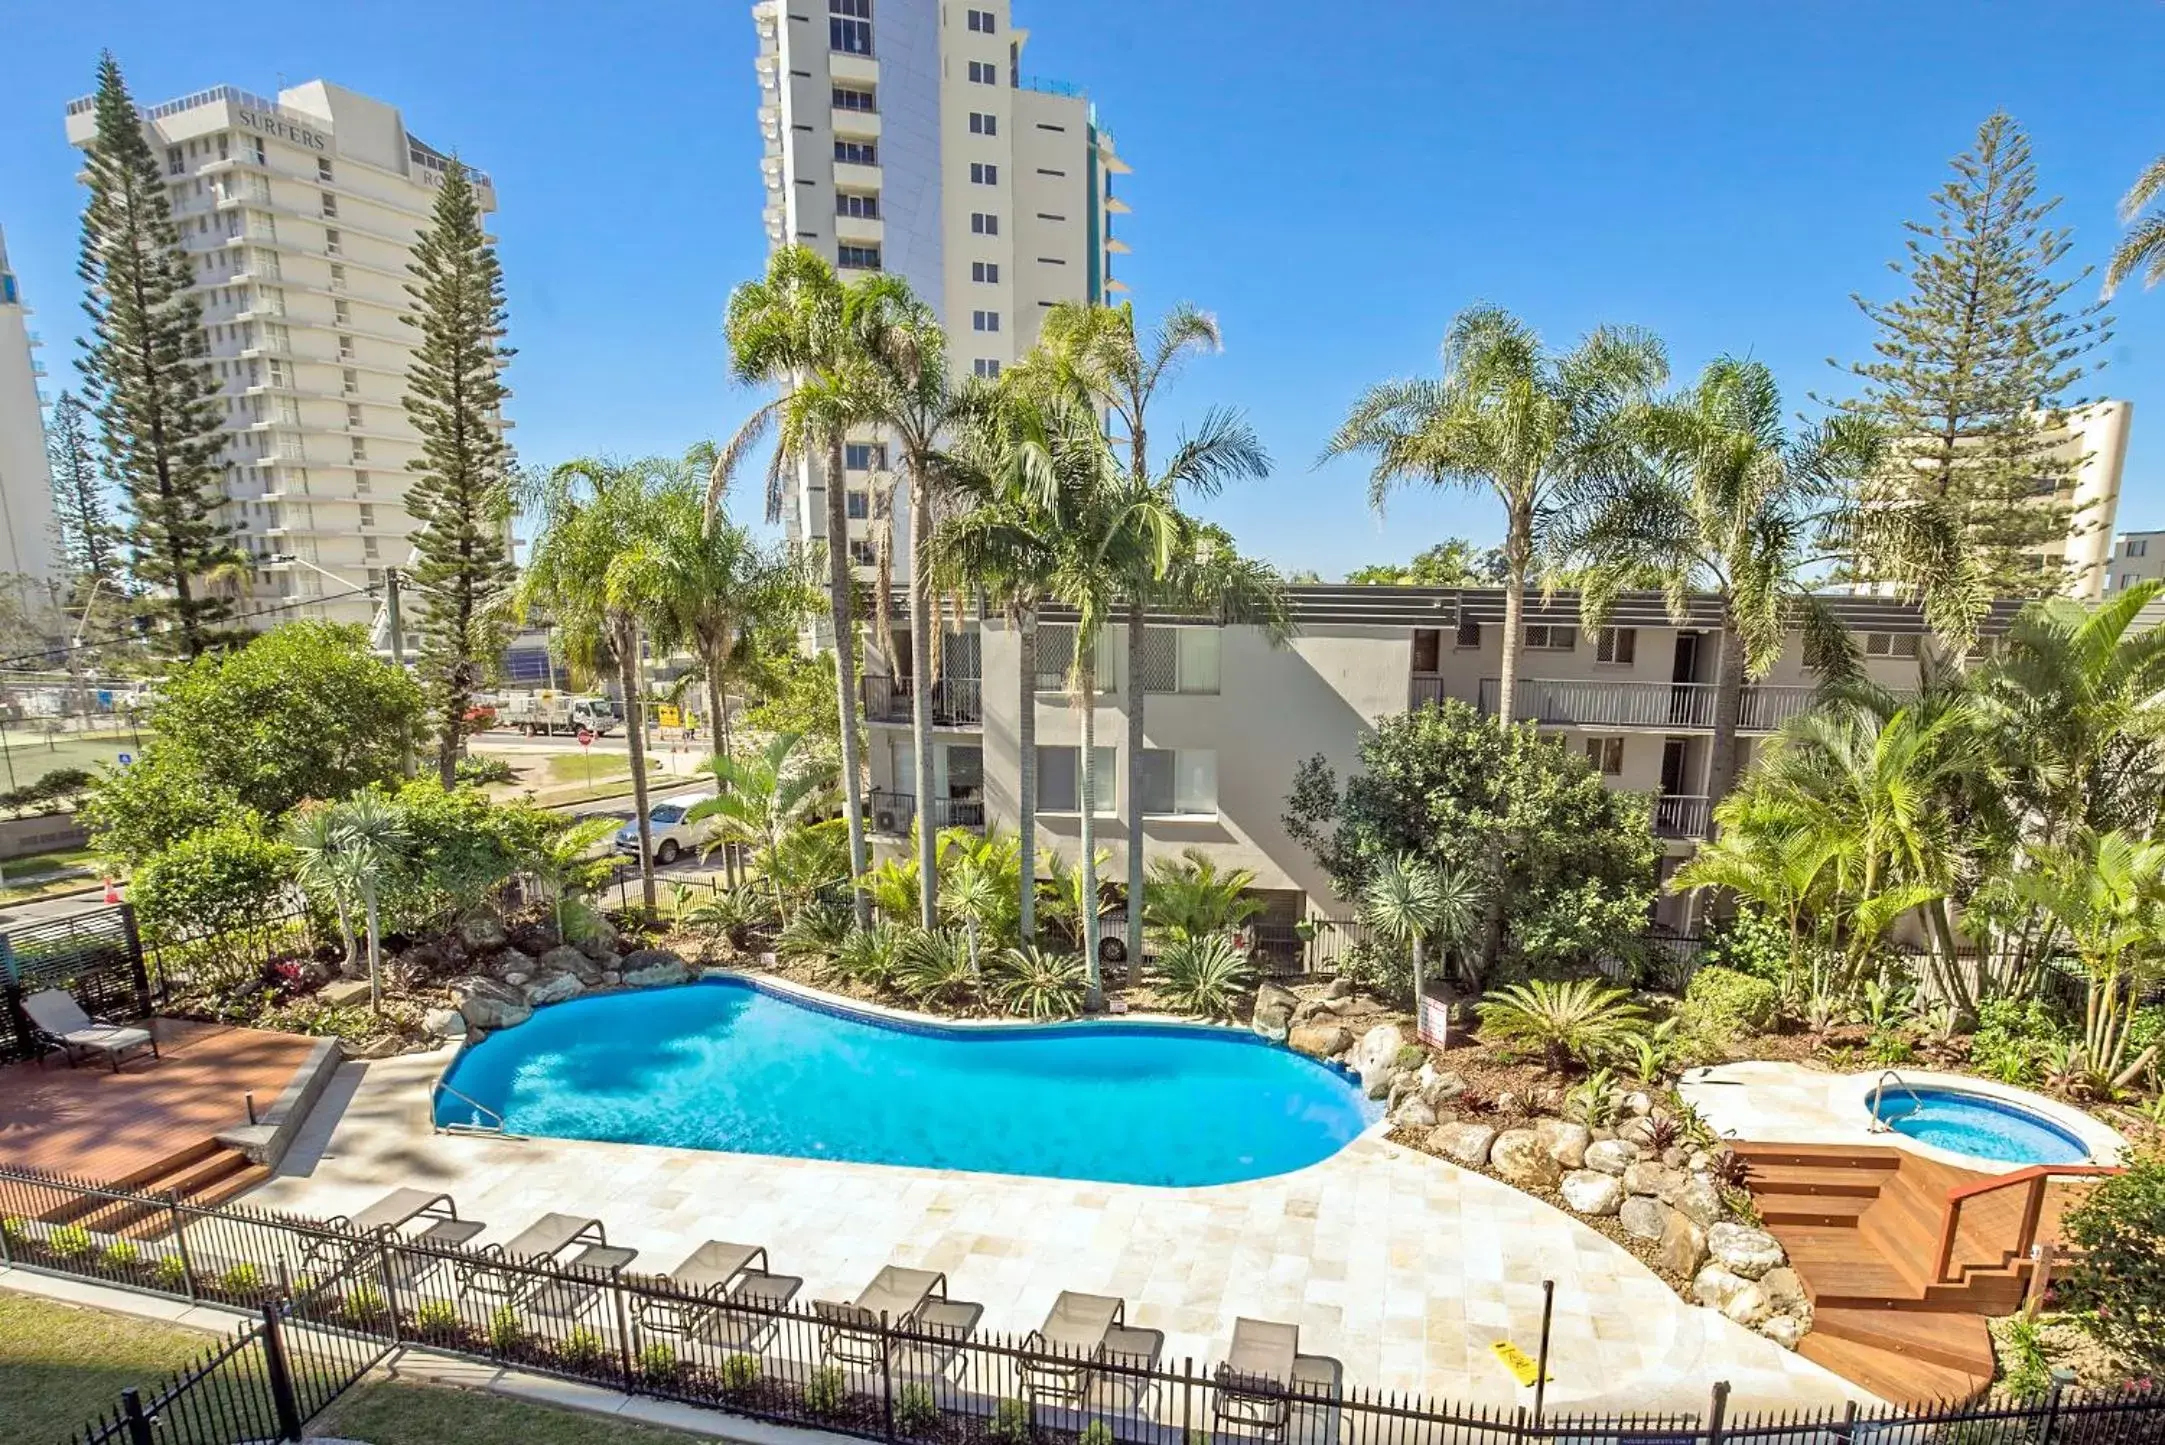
(506, 1330)
(1204, 975)
(933, 967)
(170, 1273)
(730, 913)
(483, 769)
(1727, 1004)
(2115, 1280)
(69, 1241)
(815, 933)
(123, 1254)
(362, 1302)
(221, 879)
(866, 955)
(581, 1349)
(1011, 1422)
(436, 1318)
(1583, 1019)
(1188, 897)
(1097, 1432)
(2013, 1036)
(916, 1411)
(1038, 983)
(1753, 942)
(827, 1391)
(658, 1361)
(739, 1373)
(242, 1279)
(2029, 1372)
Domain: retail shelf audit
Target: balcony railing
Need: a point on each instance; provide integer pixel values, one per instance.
(891, 813)
(1425, 692)
(956, 701)
(1669, 706)
(1682, 815)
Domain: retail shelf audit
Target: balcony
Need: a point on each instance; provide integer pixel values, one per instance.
(1682, 815)
(956, 701)
(1663, 706)
(891, 814)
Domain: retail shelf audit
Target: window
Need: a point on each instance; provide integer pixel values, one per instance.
(1616, 644)
(262, 157)
(330, 204)
(984, 224)
(864, 456)
(983, 124)
(849, 26)
(986, 271)
(1468, 634)
(333, 243)
(854, 203)
(338, 277)
(666, 815)
(2127, 580)
(852, 97)
(368, 515)
(360, 449)
(1890, 644)
(1549, 637)
(350, 382)
(360, 483)
(985, 368)
(1183, 782)
(1607, 755)
(984, 321)
(857, 258)
(980, 21)
(856, 152)
(1059, 786)
(323, 168)
(1178, 659)
(983, 174)
(860, 553)
(2138, 547)
(345, 348)
(982, 72)
(858, 505)
(175, 163)
(353, 415)
(342, 313)
(1427, 649)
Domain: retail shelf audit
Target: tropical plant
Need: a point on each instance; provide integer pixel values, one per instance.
(2114, 1284)
(371, 838)
(2107, 891)
(814, 932)
(321, 868)
(1204, 974)
(1592, 1101)
(1410, 901)
(730, 913)
(1731, 1006)
(933, 966)
(1192, 896)
(980, 884)
(1037, 983)
(763, 801)
(867, 955)
(2143, 247)
(566, 874)
(1579, 1020)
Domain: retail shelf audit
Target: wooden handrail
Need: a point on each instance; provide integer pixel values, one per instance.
(2033, 1178)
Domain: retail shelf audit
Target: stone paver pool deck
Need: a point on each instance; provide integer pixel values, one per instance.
(1403, 1266)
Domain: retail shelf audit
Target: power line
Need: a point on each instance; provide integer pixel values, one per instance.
(29, 657)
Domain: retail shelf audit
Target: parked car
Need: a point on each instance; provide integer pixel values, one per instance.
(673, 837)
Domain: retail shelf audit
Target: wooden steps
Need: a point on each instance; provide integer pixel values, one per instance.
(204, 1174)
(1896, 1378)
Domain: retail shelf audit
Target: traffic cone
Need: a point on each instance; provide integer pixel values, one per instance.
(112, 893)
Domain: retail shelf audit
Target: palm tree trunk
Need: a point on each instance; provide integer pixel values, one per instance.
(627, 671)
(1026, 775)
(375, 953)
(1134, 700)
(928, 871)
(1086, 677)
(1721, 763)
(1417, 989)
(845, 674)
(717, 718)
(1518, 552)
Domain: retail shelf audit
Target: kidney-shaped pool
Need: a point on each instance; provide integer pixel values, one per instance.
(726, 1064)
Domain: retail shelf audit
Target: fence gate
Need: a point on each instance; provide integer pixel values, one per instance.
(97, 956)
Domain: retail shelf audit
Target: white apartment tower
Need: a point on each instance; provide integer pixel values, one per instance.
(299, 215)
(904, 136)
(26, 490)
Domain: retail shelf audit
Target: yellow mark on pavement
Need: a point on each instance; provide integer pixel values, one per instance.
(1518, 1362)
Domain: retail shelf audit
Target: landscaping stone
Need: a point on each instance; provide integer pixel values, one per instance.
(1309, 1009)
(1784, 1330)
(1439, 1086)
(554, 988)
(510, 960)
(444, 1023)
(1320, 1041)
(1463, 1143)
(1375, 1058)
(1272, 1027)
(1638, 1104)
(1675, 1156)
(1714, 1287)
(1415, 1113)
(1643, 1216)
(1743, 1250)
(1699, 1202)
(1565, 1141)
(488, 1003)
(563, 960)
(1519, 1157)
(1611, 1156)
(1510, 1105)
(610, 978)
(482, 933)
(1785, 1291)
(1404, 1085)
(1272, 1017)
(383, 1048)
(1381, 1089)
(651, 967)
(1592, 1193)
(1638, 1131)
(517, 978)
(1748, 1306)
(1683, 1245)
(1338, 989)
(1658, 1180)
(601, 942)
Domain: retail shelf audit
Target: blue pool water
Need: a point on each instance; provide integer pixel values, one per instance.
(723, 1064)
(1973, 1124)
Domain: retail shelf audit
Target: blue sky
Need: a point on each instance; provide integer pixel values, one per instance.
(1333, 181)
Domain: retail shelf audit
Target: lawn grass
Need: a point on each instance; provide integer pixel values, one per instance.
(572, 767)
(31, 755)
(395, 1412)
(61, 1366)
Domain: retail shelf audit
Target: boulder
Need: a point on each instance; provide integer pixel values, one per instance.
(444, 1023)
(610, 978)
(1273, 1027)
(1464, 1143)
(510, 961)
(1414, 1113)
(562, 960)
(1784, 1330)
(1319, 1041)
(1683, 1246)
(1565, 1141)
(1590, 1193)
(1439, 1086)
(1638, 1131)
(654, 967)
(1785, 1291)
(1643, 1217)
(1638, 1104)
(1699, 1202)
(1375, 1058)
(1510, 1105)
(1748, 1306)
(1404, 1085)
(1272, 1017)
(601, 940)
(481, 933)
(1714, 1287)
(1676, 1156)
(518, 979)
(1338, 989)
(1519, 1157)
(1744, 1251)
(1658, 1180)
(1611, 1156)
(487, 1003)
(378, 1048)
(1314, 1008)
(554, 988)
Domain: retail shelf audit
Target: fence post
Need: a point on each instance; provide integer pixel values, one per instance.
(1187, 1399)
(1541, 1362)
(140, 973)
(387, 1275)
(279, 1371)
(887, 1379)
(2060, 1380)
(1717, 1410)
(131, 1414)
(623, 1332)
(180, 1241)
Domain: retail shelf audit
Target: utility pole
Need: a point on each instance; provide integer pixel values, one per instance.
(398, 660)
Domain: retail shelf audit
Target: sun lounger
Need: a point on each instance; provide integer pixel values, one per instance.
(933, 1339)
(1130, 1358)
(391, 1214)
(1254, 1384)
(1056, 1365)
(854, 1332)
(61, 1024)
(738, 1299)
(545, 1241)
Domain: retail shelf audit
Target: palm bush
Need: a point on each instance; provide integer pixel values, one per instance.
(866, 955)
(730, 913)
(1189, 897)
(933, 966)
(1204, 975)
(815, 932)
(1038, 983)
(1582, 1020)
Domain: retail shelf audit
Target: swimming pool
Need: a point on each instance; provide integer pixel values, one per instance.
(1982, 1127)
(726, 1064)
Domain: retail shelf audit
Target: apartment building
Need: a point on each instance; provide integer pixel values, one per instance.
(1230, 717)
(2136, 557)
(905, 136)
(26, 490)
(299, 215)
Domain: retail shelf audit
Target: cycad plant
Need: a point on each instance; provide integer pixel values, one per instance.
(565, 873)
(1192, 896)
(1038, 983)
(1580, 1020)
(1204, 974)
(933, 966)
(325, 870)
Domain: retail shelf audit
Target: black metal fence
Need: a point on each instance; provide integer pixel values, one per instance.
(755, 1349)
(97, 956)
(209, 959)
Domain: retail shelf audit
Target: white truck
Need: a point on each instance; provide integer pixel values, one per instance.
(543, 714)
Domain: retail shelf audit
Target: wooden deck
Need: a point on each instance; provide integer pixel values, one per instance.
(95, 1124)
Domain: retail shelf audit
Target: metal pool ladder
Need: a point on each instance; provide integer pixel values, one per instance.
(487, 1120)
(1878, 1125)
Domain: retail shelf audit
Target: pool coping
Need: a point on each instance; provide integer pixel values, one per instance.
(2101, 1144)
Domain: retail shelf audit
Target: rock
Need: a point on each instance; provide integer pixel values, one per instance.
(1611, 1156)
(1510, 1105)
(1375, 1058)
(654, 967)
(1683, 1246)
(1659, 1180)
(1466, 1143)
(1785, 1292)
(1272, 1017)
(1601, 1132)
(1638, 1131)
(1675, 1156)
(1319, 1041)
(1784, 1330)
(600, 942)
(569, 960)
(1638, 1104)
(1415, 1113)
(482, 933)
(1404, 1085)
(1697, 1160)
(1748, 1306)
(1273, 1027)
(1643, 1217)
(510, 960)
(487, 1003)
(1714, 1287)
(517, 979)
(1590, 1193)
(1519, 1157)
(444, 1023)
(610, 978)
(383, 1048)
(1338, 989)
(1742, 1250)
(1699, 1202)
(554, 988)
(1439, 1086)
(1565, 1141)
(1313, 1008)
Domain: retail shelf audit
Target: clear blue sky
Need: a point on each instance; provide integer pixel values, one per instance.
(1333, 181)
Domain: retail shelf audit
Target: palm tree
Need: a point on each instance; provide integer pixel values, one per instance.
(764, 800)
(562, 871)
(2108, 891)
(2143, 247)
(1765, 852)
(797, 328)
(1510, 418)
(590, 572)
(313, 835)
(1410, 900)
(369, 833)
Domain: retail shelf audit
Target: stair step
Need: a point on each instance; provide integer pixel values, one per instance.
(150, 1176)
(232, 1185)
(1832, 1211)
(1817, 1179)
(1898, 1379)
(1953, 1340)
(1868, 1159)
